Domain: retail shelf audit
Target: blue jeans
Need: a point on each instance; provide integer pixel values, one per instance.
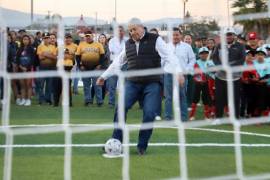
(47, 84)
(168, 92)
(111, 85)
(151, 107)
(87, 82)
(76, 81)
(38, 88)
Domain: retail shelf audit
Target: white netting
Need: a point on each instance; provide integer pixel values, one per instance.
(69, 129)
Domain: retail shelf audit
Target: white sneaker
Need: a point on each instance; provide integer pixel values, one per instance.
(22, 102)
(191, 118)
(18, 101)
(27, 102)
(158, 118)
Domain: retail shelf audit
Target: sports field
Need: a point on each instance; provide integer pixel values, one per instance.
(158, 163)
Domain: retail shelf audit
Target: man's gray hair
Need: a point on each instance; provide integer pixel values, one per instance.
(135, 21)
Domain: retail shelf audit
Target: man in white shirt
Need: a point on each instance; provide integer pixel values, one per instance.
(116, 46)
(186, 58)
(142, 51)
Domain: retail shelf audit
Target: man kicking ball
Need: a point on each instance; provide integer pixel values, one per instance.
(142, 51)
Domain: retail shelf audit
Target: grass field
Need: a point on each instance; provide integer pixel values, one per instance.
(158, 163)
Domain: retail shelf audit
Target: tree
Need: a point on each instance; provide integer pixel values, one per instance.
(199, 28)
(261, 26)
(202, 28)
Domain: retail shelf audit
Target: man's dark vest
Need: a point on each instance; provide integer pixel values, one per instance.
(147, 58)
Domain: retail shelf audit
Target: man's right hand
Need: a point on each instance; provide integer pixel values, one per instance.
(100, 81)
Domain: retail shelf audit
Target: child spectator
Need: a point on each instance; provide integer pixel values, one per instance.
(201, 88)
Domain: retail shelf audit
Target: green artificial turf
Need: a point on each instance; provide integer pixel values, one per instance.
(158, 163)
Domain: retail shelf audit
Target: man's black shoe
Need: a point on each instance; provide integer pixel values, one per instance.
(141, 151)
(49, 102)
(99, 104)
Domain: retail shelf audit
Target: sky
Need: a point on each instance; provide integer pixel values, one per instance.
(126, 9)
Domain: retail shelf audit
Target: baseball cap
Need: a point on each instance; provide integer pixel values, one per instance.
(250, 52)
(87, 33)
(68, 35)
(252, 35)
(22, 31)
(203, 49)
(261, 49)
(242, 37)
(266, 46)
(46, 35)
(229, 30)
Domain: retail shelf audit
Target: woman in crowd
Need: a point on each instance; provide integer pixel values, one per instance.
(104, 41)
(25, 59)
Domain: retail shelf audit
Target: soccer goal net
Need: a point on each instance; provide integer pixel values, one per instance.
(195, 139)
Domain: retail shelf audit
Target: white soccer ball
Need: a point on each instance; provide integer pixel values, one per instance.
(158, 118)
(113, 147)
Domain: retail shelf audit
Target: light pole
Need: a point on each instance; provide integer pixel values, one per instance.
(49, 20)
(96, 23)
(184, 13)
(185, 2)
(32, 11)
(228, 12)
(115, 10)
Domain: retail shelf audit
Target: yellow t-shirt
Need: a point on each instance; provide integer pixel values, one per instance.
(72, 48)
(68, 62)
(90, 53)
(50, 49)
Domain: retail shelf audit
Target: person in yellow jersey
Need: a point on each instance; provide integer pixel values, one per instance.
(71, 48)
(47, 55)
(68, 63)
(90, 56)
(53, 39)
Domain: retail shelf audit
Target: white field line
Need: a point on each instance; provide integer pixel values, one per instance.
(134, 145)
(109, 126)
